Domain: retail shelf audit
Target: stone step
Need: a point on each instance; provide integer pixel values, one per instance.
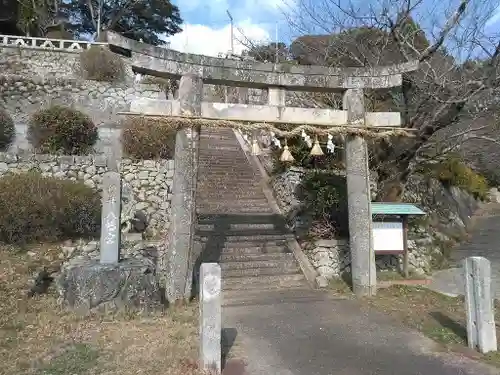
(227, 156)
(229, 195)
(229, 185)
(210, 144)
(229, 190)
(221, 139)
(243, 205)
(234, 227)
(238, 203)
(211, 174)
(218, 160)
(221, 208)
(236, 166)
(280, 265)
(264, 282)
(251, 237)
(220, 149)
(226, 182)
(246, 257)
(258, 218)
(213, 139)
(241, 250)
(245, 272)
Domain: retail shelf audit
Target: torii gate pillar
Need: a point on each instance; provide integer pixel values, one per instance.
(364, 276)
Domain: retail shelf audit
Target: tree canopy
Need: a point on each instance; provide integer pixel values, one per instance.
(269, 52)
(136, 19)
(444, 102)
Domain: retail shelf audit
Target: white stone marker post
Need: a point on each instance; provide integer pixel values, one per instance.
(110, 218)
(481, 331)
(210, 317)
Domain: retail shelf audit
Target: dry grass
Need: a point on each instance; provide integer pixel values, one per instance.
(397, 276)
(39, 338)
(437, 316)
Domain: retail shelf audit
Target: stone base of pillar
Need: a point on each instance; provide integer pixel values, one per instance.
(364, 290)
(130, 285)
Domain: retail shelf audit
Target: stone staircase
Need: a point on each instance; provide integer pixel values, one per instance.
(236, 226)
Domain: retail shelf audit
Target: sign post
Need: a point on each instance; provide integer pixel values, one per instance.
(390, 229)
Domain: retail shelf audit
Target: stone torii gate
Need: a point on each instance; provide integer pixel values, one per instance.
(196, 70)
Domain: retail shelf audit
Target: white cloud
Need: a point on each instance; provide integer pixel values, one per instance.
(204, 40)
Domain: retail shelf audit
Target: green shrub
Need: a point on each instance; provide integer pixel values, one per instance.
(62, 130)
(7, 130)
(454, 172)
(324, 196)
(146, 139)
(35, 208)
(164, 83)
(100, 64)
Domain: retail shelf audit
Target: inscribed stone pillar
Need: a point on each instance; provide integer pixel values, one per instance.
(276, 96)
(110, 218)
(243, 95)
(359, 201)
(183, 213)
(210, 317)
(481, 330)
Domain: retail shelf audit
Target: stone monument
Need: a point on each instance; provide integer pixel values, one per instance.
(110, 283)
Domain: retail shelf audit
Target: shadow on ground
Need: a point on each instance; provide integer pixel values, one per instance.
(231, 366)
(449, 323)
(215, 230)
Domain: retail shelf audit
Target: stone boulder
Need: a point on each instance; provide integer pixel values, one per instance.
(449, 209)
(131, 285)
(494, 195)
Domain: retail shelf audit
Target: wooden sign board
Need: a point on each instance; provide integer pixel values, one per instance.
(388, 237)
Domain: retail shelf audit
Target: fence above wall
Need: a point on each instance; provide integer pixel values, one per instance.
(46, 44)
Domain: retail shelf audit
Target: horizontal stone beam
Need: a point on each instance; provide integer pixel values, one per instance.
(256, 113)
(169, 63)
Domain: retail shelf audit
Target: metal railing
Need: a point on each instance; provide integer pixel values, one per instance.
(47, 44)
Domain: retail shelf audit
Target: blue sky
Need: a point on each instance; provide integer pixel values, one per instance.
(207, 30)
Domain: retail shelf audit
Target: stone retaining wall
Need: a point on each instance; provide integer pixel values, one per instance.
(331, 258)
(23, 95)
(150, 180)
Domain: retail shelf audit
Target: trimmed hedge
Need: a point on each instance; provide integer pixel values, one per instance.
(34, 208)
(100, 64)
(146, 139)
(62, 130)
(7, 130)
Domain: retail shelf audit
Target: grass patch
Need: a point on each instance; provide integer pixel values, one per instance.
(342, 284)
(438, 317)
(37, 337)
(77, 359)
(398, 276)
